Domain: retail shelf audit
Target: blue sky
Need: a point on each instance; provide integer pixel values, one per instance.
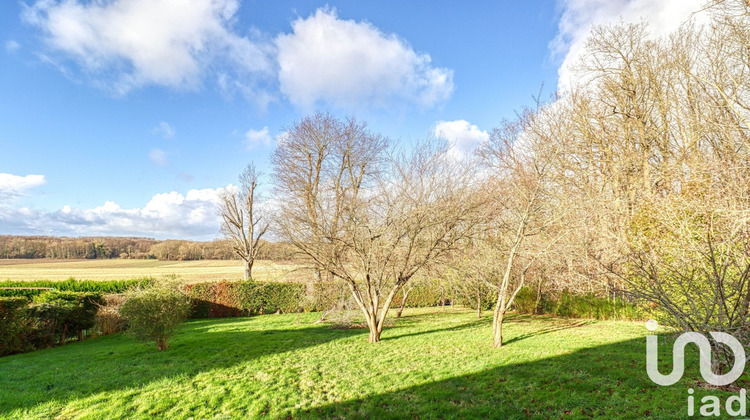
(129, 117)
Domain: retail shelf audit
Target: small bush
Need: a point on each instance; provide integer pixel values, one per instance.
(14, 323)
(154, 314)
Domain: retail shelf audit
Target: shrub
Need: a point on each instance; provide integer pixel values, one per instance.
(525, 301)
(76, 313)
(108, 318)
(14, 322)
(154, 314)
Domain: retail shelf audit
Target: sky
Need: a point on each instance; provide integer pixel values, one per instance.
(131, 117)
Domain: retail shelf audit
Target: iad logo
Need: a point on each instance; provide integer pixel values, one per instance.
(710, 405)
(678, 357)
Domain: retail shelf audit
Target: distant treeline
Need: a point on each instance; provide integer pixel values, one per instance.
(107, 247)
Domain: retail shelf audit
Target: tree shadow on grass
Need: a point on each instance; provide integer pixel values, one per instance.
(116, 362)
(568, 324)
(560, 324)
(462, 326)
(608, 381)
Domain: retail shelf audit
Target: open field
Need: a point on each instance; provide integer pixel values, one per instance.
(117, 269)
(432, 364)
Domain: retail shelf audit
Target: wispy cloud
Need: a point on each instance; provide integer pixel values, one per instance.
(158, 157)
(164, 129)
(255, 138)
(12, 46)
(14, 186)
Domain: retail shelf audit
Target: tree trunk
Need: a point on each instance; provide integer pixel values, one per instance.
(401, 309)
(248, 268)
(372, 324)
(497, 330)
(538, 304)
(479, 303)
(497, 319)
(403, 303)
(374, 336)
(80, 335)
(161, 343)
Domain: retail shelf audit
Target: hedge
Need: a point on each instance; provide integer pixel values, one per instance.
(48, 321)
(71, 285)
(577, 306)
(14, 322)
(421, 296)
(226, 299)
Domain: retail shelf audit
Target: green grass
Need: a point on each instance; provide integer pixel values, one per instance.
(117, 269)
(431, 364)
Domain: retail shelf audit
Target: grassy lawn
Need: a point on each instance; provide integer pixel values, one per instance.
(116, 269)
(432, 364)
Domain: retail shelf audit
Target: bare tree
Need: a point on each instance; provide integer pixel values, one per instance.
(369, 217)
(658, 149)
(242, 223)
(528, 201)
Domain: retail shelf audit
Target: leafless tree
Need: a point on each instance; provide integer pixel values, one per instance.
(658, 148)
(525, 192)
(365, 214)
(242, 223)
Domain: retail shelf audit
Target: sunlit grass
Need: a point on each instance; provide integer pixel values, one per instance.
(432, 364)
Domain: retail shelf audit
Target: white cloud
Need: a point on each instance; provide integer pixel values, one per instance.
(164, 129)
(254, 138)
(13, 186)
(126, 44)
(12, 46)
(158, 157)
(578, 16)
(168, 215)
(121, 45)
(462, 136)
(350, 64)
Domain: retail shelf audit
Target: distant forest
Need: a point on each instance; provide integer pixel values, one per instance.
(107, 247)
